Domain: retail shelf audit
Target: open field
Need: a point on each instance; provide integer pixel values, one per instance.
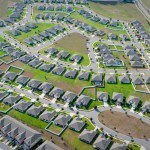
(146, 3)
(125, 124)
(3, 8)
(55, 128)
(123, 11)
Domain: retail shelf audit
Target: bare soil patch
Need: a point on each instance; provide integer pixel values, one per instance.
(125, 124)
(4, 67)
(73, 42)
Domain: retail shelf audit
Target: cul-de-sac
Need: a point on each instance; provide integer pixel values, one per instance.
(74, 74)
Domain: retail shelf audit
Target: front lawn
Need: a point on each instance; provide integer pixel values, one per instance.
(55, 129)
(14, 69)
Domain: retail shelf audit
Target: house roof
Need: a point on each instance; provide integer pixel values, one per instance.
(110, 78)
(56, 92)
(22, 79)
(46, 87)
(71, 73)
(35, 63)
(46, 67)
(77, 124)
(87, 135)
(137, 64)
(17, 54)
(25, 58)
(146, 79)
(132, 100)
(48, 115)
(3, 94)
(117, 146)
(22, 105)
(51, 51)
(77, 58)
(58, 70)
(137, 80)
(118, 96)
(102, 143)
(84, 76)
(34, 83)
(97, 77)
(9, 76)
(102, 96)
(146, 106)
(83, 100)
(69, 96)
(124, 79)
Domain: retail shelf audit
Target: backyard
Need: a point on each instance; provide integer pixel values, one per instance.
(125, 124)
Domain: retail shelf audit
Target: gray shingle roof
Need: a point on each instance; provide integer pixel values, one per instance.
(84, 76)
(117, 97)
(134, 101)
(34, 84)
(22, 80)
(102, 96)
(56, 92)
(48, 115)
(47, 67)
(71, 74)
(110, 78)
(124, 79)
(69, 96)
(46, 87)
(83, 100)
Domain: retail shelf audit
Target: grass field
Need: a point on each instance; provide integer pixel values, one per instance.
(15, 70)
(3, 107)
(123, 11)
(146, 3)
(2, 53)
(125, 124)
(1, 39)
(55, 128)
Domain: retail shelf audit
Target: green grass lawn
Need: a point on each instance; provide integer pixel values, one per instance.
(3, 107)
(10, 11)
(1, 39)
(31, 121)
(2, 53)
(134, 146)
(119, 47)
(23, 36)
(89, 125)
(55, 128)
(15, 70)
(95, 103)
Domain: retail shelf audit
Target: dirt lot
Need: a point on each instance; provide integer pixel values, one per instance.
(73, 42)
(125, 124)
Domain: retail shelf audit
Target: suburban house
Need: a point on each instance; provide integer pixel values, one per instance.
(146, 107)
(133, 101)
(97, 79)
(52, 51)
(71, 74)
(83, 100)
(17, 54)
(76, 58)
(117, 146)
(62, 120)
(88, 135)
(35, 63)
(23, 80)
(59, 70)
(69, 97)
(35, 111)
(47, 145)
(18, 133)
(84, 76)
(102, 96)
(45, 87)
(137, 80)
(48, 116)
(56, 93)
(25, 58)
(3, 94)
(102, 143)
(77, 124)
(15, 32)
(137, 64)
(34, 84)
(9, 76)
(119, 97)
(63, 55)
(124, 79)
(110, 78)
(47, 67)
(146, 79)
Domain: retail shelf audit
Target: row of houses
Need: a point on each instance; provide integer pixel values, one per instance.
(141, 33)
(134, 57)
(83, 2)
(63, 55)
(55, 8)
(16, 15)
(47, 34)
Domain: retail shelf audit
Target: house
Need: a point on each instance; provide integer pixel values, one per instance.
(133, 101)
(95, 19)
(9, 76)
(3, 94)
(124, 79)
(35, 63)
(102, 96)
(111, 63)
(137, 64)
(2, 23)
(51, 31)
(47, 145)
(26, 58)
(35, 111)
(4, 44)
(113, 23)
(23, 80)
(62, 120)
(84, 76)
(97, 79)
(46, 87)
(56, 93)
(87, 135)
(29, 41)
(42, 7)
(77, 124)
(146, 107)
(24, 29)
(134, 57)
(104, 21)
(22, 105)
(146, 79)
(63, 55)
(47, 67)
(48, 16)
(50, 8)
(112, 36)
(48, 116)
(15, 15)
(59, 17)
(107, 57)
(69, 8)
(52, 51)
(31, 25)
(39, 16)
(130, 52)
(59, 28)
(58, 7)
(15, 32)
(102, 143)
(59, 70)
(76, 58)
(69, 97)
(71, 74)
(69, 20)
(123, 37)
(110, 78)
(8, 49)
(38, 38)
(21, 135)
(11, 100)
(83, 100)
(17, 54)
(117, 146)
(100, 33)
(137, 80)
(119, 97)
(44, 35)
(34, 84)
